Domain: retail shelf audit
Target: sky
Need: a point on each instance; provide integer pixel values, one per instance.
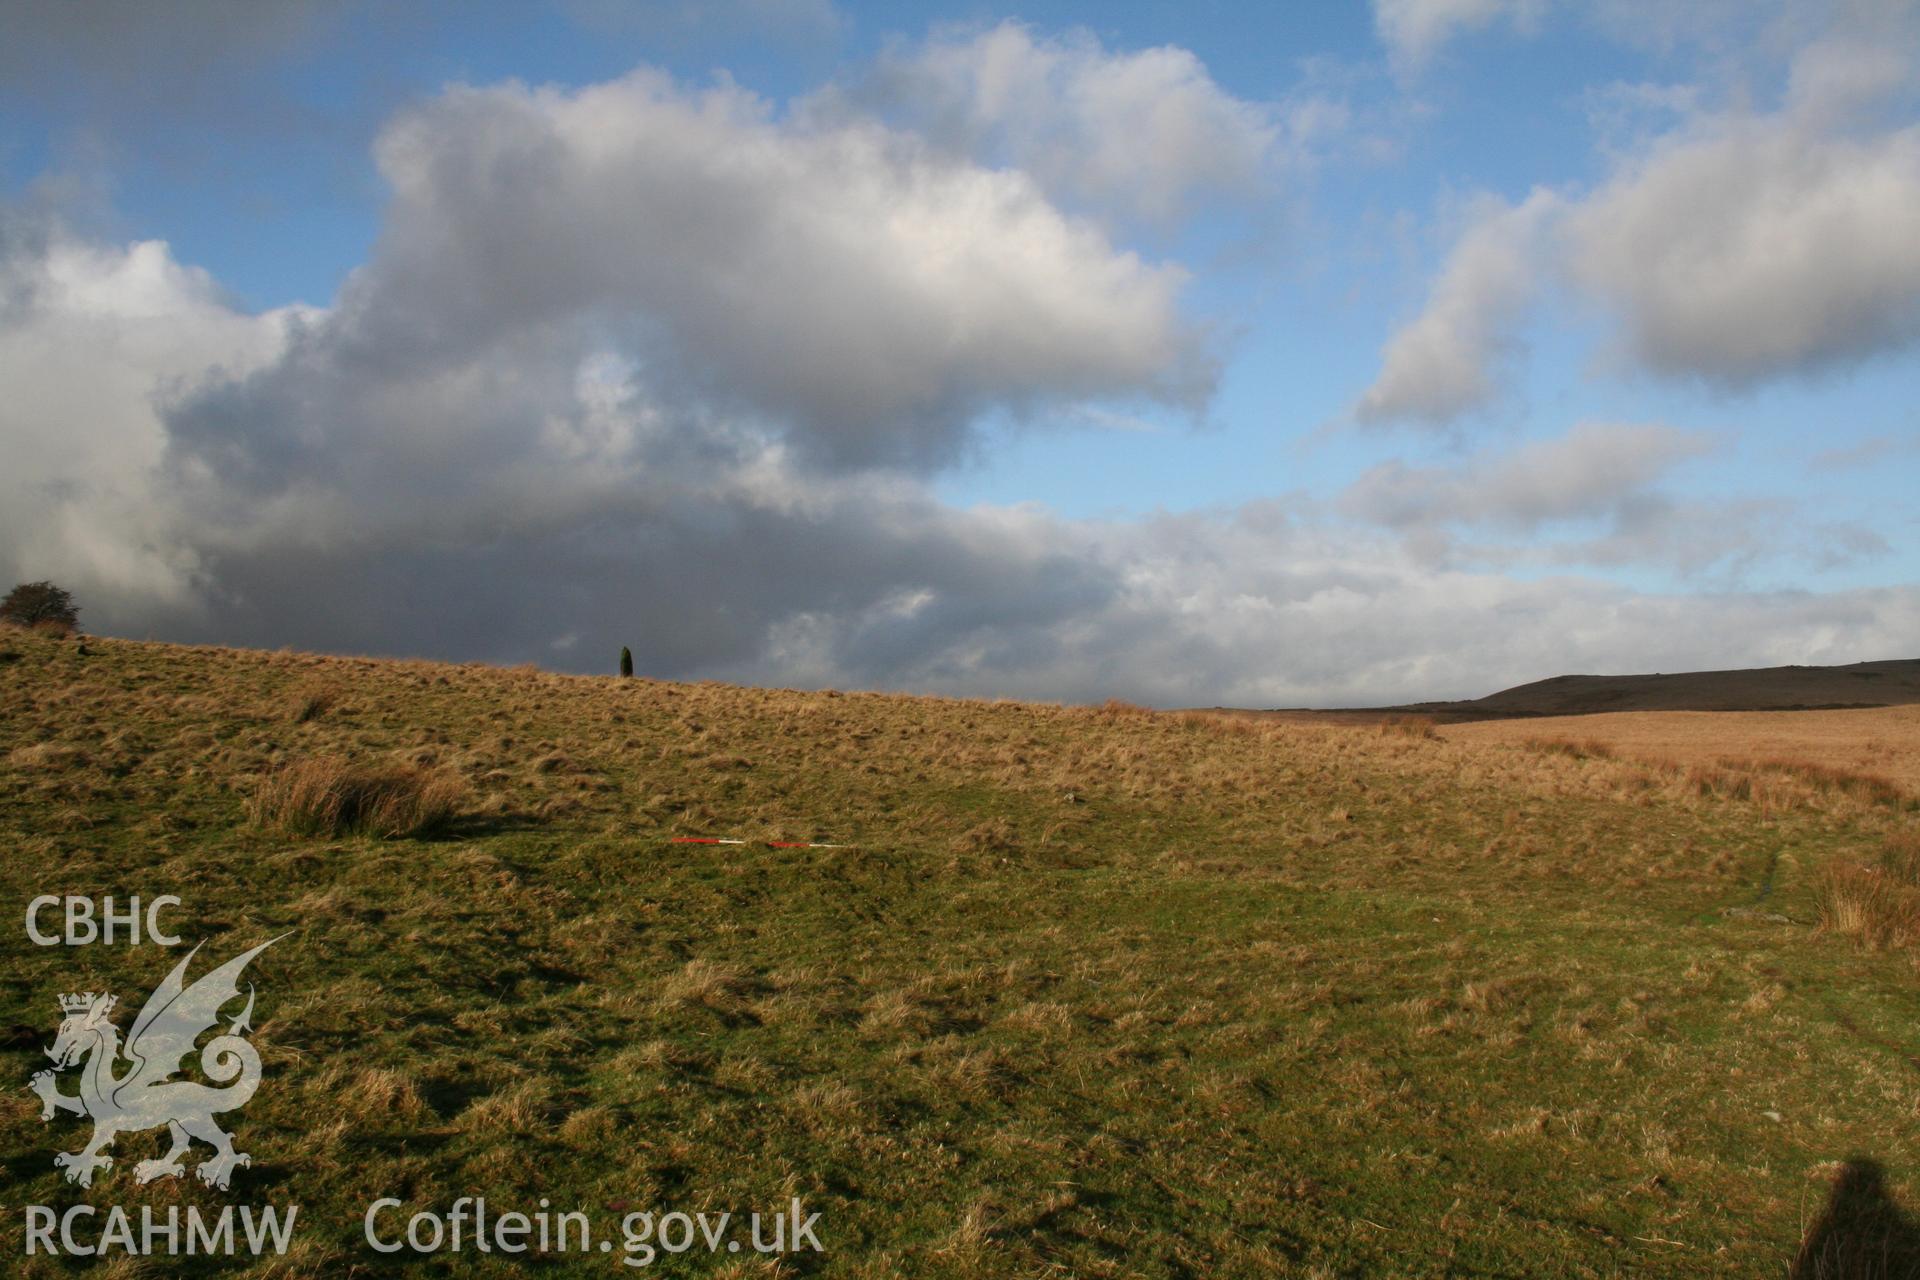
(1316, 354)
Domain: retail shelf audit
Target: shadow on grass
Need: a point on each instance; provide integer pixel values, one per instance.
(1861, 1234)
(474, 825)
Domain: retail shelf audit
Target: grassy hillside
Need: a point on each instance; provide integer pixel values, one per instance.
(1098, 992)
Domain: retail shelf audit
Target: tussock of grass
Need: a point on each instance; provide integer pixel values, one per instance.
(1588, 749)
(703, 984)
(1223, 724)
(1409, 727)
(1868, 787)
(313, 699)
(1866, 904)
(332, 796)
(47, 755)
(995, 836)
(521, 1108)
(1900, 858)
(1877, 904)
(379, 1094)
(1795, 782)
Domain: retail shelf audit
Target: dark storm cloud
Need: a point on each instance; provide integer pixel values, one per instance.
(620, 371)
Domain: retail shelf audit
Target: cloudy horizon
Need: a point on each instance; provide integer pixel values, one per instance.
(1327, 357)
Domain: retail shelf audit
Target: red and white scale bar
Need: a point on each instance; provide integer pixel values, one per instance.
(771, 844)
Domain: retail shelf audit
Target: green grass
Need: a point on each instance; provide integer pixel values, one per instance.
(1100, 992)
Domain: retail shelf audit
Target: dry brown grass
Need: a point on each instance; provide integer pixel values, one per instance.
(51, 627)
(331, 796)
(1870, 750)
(1119, 709)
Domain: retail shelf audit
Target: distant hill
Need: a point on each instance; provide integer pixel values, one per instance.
(1863, 684)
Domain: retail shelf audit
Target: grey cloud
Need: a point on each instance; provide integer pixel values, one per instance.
(1721, 545)
(697, 583)
(120, 43)
(1834, 79)
(1415, 32)
(618, 351)
(1590, 471)
(1236, 608)
(1864, 454)
(1754, 248)
(482, 511)
(691, 21)
(128, 82)
(1592, 498)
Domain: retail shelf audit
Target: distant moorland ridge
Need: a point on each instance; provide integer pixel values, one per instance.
(1861, 684)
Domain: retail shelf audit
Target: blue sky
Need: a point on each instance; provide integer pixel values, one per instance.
(1311, 354)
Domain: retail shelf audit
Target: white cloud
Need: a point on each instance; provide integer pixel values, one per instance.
(865, 292)
(1733, 246)
(1253, 608)
(91, 338)
(1415, 30)
(1444, 362)
(1836, 77)
(1145, 133)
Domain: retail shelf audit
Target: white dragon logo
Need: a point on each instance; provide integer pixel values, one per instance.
(144, 1097)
